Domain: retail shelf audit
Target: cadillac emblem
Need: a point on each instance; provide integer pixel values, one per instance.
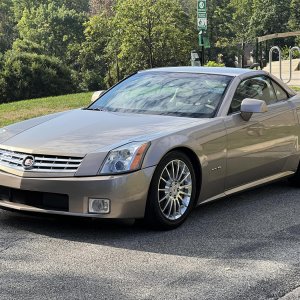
(28, 162)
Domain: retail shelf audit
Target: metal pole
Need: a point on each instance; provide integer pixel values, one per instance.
(261, 57)
(291, 61)
(256, 52)
(118, 69)
(266, 51)
(243, 53)
(271, 60)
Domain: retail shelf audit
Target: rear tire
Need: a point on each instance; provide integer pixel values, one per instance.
(295, 179)
(172, 192)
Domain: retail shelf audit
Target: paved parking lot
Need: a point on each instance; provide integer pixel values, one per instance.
(243, 247)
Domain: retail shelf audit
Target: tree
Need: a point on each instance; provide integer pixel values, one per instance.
(220, 18)
(21, 5)
(294, 21)
(221, 32)
(91, 63)
(269, 16)
(100, 6)
(78, 5)
(27, 46)
(7, 25)
(149, 33)
(242, 12)
(54, 28)
(190, 7)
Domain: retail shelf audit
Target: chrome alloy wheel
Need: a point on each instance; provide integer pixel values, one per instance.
(174, 189)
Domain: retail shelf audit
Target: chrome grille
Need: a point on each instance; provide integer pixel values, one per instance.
(42, 163)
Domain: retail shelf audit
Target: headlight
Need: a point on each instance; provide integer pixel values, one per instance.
(126, 158)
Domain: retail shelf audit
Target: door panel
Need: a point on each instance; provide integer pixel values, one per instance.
(262, 146)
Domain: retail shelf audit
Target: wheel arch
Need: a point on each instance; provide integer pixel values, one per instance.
(196, 164)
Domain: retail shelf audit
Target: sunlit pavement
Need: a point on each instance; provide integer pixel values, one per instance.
(243, 247)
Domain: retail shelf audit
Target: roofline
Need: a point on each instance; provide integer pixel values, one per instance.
(232, 72)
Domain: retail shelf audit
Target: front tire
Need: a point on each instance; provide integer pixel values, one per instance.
(172, 192)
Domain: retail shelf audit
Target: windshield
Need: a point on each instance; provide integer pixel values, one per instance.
(164, 93)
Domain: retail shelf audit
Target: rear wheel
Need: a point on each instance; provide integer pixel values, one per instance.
(172, 192)
(295, 179)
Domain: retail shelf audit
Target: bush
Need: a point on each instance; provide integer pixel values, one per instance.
(214, 64)
(286, 53)
(29, 75)
(3, 88)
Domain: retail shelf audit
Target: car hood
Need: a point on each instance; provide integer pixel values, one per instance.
(79, 132)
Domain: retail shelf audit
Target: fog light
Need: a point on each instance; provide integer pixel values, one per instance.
(99, 206)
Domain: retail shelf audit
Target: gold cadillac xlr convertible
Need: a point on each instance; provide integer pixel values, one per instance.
(154, 146)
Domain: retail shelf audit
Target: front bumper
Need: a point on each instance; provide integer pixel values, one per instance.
(127, 193)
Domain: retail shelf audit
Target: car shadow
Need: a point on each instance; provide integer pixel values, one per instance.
(249, 225)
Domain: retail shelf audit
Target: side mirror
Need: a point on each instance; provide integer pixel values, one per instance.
(250, 106)
(96, 95)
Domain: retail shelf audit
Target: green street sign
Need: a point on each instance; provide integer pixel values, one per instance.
(202, 23)
(201, 42)
(206, 42)
(201, 5)
(202, 15)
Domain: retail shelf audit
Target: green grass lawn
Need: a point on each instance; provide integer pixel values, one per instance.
(296, 88)
(26, 109)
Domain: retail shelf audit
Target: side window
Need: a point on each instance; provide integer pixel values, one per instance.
(280, 93)
(257, 88)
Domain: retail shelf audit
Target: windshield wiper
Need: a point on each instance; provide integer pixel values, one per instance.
(97, 109)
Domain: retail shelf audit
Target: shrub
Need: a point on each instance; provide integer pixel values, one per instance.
(3, 88)
(214, 64)
(30, 75)
(286, 53)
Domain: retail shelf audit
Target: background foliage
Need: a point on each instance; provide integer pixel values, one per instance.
(51, 47)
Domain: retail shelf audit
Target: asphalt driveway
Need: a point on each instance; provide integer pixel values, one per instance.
(243, 247)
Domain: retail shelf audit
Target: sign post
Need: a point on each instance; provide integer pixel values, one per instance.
(202, 26)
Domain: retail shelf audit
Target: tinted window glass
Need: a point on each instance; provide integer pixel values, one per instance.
(280, 93)
(256, 88)
(164, 93)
